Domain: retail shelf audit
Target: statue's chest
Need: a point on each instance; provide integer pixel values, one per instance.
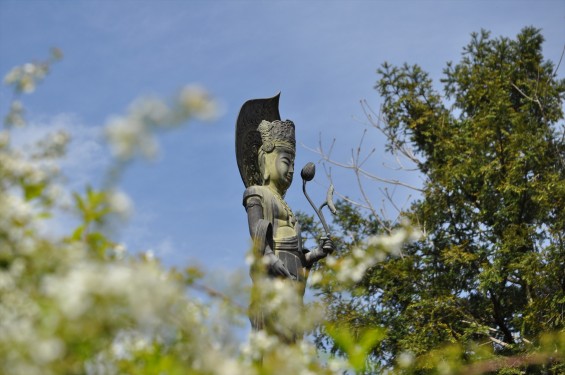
(284, 219)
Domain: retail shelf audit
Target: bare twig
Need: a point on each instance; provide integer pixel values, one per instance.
(499, 342)
(397, 146)
(536, 100)
(360, 158)
(353, 166)
(559, 63)
(389, 197)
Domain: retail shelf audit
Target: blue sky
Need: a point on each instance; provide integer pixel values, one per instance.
(322, 56)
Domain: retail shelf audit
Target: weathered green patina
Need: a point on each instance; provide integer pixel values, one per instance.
(265, 151)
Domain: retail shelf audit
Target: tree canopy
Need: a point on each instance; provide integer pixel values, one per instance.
(490, 268)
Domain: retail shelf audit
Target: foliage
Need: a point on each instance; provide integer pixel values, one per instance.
(487, 279)
(80, 303)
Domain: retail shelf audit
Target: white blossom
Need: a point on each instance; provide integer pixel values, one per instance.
(406, 359)
(128, 137)
(120, 203)
(315, 277)
(47, 350)
(197, 102)
(141, 286)
(24, 78)
(354, 267)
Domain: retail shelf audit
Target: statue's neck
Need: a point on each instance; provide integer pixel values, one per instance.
(276, 190)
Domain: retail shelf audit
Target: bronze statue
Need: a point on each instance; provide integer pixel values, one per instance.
(265, 151)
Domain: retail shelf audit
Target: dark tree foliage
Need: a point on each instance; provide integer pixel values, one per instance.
(491, 268)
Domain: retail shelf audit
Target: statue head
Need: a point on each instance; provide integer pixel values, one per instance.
(276, 154)
(264, 145)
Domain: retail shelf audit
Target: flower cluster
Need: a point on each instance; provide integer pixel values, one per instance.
(134, 133)
(24, 80)
(351, 268)
(25, 77)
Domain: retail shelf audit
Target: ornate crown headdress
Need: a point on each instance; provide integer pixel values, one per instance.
(277, 134)
(259, 127)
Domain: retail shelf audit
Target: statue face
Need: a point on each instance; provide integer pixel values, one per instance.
(280, 164)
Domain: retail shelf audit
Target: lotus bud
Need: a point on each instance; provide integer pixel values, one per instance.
(308, 171)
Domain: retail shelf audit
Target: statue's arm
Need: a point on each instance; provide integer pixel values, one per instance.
(262, 234)
(254, 214)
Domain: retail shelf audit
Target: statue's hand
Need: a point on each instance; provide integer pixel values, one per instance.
(327, 245)
(276, 266)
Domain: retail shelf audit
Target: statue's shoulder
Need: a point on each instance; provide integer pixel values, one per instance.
(259, 191)
(256, 190)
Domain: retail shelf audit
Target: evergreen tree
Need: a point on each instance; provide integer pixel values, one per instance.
(491, 268)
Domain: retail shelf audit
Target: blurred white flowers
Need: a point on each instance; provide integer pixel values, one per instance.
(134, 133)
(141, 287)
(196, 101)
(128, 137)
(120, 203)
(351, 269)
(25, 77)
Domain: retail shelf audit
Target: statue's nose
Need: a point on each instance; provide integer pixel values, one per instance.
(291, 169)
